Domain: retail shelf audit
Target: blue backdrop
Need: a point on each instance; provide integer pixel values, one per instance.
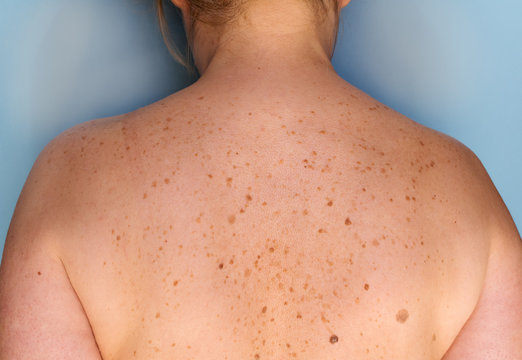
(455, 66)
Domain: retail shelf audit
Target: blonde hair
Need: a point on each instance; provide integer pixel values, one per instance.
(217, 13)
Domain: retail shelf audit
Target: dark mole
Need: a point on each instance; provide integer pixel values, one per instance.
(39, 273)
(221, 266)
(334, 339)
(366, 287)
(347, 221)
(249, 198)
(330, 203)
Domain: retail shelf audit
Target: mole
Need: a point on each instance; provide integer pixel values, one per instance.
(334, 339)
(39, 273)
(402, 316)
(347, 221)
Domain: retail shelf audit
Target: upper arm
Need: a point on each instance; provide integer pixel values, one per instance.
(494, 329)
(41, 317)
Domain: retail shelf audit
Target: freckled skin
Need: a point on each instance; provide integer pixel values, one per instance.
(294, 225)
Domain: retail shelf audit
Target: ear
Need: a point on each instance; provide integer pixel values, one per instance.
(343, 3)
(182, 4)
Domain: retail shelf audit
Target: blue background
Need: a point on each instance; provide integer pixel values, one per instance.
(455, 66)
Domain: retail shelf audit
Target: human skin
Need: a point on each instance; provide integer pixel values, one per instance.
(271, 210)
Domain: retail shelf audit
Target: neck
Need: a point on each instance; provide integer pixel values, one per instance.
(266, 42)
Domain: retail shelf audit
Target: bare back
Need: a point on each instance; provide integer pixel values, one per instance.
(219, 226)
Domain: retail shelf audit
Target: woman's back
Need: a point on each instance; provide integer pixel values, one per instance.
(235, 225)
(269, 211)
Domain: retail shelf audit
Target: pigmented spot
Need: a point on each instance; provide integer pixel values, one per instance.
(305, 212)
(421, 143)
(333, 339)
(402, 315)
(39, 273)
(321, 231)
(247, 272)
(366, 287)
(209, 176)
(347, 221)
(157, 315)
(434, 337)
(249, 197)
(407, 198)
(330, 203)
(232, 219)
(144, 195)
(229, 182)
(201, 98)
(167, 180)
(220, 266)
(263, 310)
(175, 282)
(154, 184)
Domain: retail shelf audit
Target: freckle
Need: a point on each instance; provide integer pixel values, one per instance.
(321, 231)
(391, 200)
(432, 163)
(232, 219)
(383, 170)
(249, 198)
(256, 356)
(305, 212)
(375, 242)
(334, 339)
(209, 176)
(347, 221)
(366, 287)
(167, 180)
(402, 316)
(421, 143)
(330, 203)
(264, 203)
(157, 315)
(247, 272)
(407, 198)
(263, 310)
(201, 98)
(118, 238)
(175, 283)
(364, 189)
(220, 266)
(154, 184)
(434, 337)
(271, 249)
(299, 316)
(39, 273)
(145, 195)
(250, 114)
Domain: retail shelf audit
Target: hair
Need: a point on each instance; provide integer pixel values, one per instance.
(217, 13)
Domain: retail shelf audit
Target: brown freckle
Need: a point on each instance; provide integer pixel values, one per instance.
(330, 203)
(366, 287)
(271, 249)
(118, 238)
(334, 339)
(407, 198)
(421, 143)
(264, 203)
(201, 98)
(39, 273)
(157, 315)
(402, 315)
(263, 310)
(221, 265)
(347, 221)
(167, 180)
(247, 272)
(175, 283)
(145, 195)
(154, 184)
(256, 356)
(320, 231)
(305, 212)
(209, 176)
(232, 219)
(432, 163)
(434, 337)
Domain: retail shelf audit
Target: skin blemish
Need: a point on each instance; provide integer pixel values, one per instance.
(321, 231)
(347, 222)
(407, 198)
(154, 184)
(167, 180)
(330, 203)
(157, 315)
(263, 310)
(366, 287)
(229, 182)
(305, 212)
(39, 273)
(144, 196)
(220, 266)
(175, 283)
(232, 219)
(421, 143)
(402, 315)
(248, 197)
(333, 339)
